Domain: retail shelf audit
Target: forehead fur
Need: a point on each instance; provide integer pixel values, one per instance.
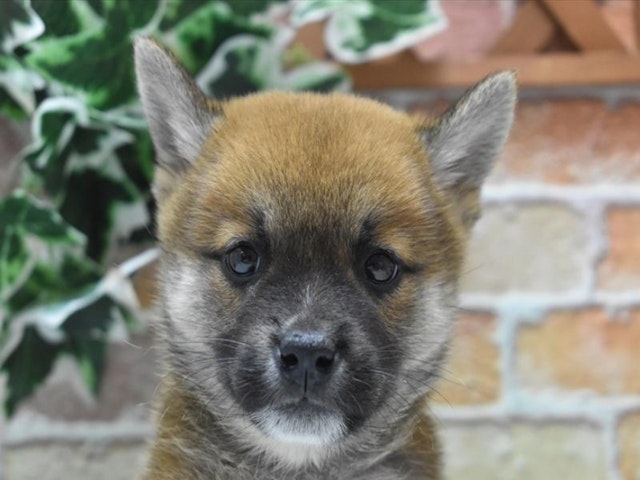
(311, 162)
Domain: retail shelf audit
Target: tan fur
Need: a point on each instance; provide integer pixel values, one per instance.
(318, 185)
(304, 147)
(305, 144)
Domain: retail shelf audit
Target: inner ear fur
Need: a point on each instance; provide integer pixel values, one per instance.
(180, 117)
(464, 142)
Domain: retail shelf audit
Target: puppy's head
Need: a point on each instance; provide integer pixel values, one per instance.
(312, 246)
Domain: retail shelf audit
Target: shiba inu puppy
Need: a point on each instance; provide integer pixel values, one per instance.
(311, 247)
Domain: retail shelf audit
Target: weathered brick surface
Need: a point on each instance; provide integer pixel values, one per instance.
(472, 374)
(582, 350)
(629, 441)
(620, 269)
(74, 462)
(550, 141)
(616, 151)
(535, 248)
(524, 451)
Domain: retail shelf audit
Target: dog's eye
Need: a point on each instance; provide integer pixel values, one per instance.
(381, 268)
(242, 261)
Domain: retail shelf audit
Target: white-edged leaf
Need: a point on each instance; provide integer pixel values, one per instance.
(19, 83)
(360, 31)
(20, 24)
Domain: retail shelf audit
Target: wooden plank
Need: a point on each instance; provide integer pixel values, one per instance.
(553, 69)
(584, 24)
(530, 32)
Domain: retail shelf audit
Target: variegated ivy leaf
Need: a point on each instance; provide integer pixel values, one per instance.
(198, 35)
(94, 203)
(17, 88)
(65, 308)
(74, 160)
(53, 280)
(67, 17)
(27, 367)
(27, 229)
(84, 335)
(66, 138)
(359, 31)
(19, 24)
(96, 63)
(246, 64)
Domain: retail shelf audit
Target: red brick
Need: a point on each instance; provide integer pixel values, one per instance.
(620, 269)
(616, 149)
(572, 142)
(550, 141)
(582, 350)
(472, 375)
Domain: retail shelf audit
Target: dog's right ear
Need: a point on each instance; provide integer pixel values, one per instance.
(179, 116)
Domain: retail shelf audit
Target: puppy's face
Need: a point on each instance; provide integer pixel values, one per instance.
(311, 250)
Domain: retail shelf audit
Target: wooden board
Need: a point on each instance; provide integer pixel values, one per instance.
(584, 24)
(553, 69)
(530, 32)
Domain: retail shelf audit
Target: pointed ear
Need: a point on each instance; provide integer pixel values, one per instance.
(463, 144)
(179, 116)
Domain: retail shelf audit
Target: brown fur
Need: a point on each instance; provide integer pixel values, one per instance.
(185, 430)
(271, 156)
(320, 168)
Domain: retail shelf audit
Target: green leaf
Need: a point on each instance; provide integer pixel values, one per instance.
(51, 282)
(136, 159)
(66, 139)
(96, 63)
(364, 30)
(14, 258)
(21, 219)
(17, 86)
(80, 63)
(199, 34)
(86, 339)
(19, 24)
(247, 64)
(65, 17)
(24, 214)
(27, 367)
(90, 205)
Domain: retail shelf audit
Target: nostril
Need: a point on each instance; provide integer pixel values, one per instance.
(324, 363)
(289, 360)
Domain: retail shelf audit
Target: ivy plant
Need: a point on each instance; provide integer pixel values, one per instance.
(84, 188)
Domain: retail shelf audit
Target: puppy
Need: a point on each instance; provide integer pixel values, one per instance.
(311, 249)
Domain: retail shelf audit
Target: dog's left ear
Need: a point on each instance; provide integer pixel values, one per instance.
(463, 144)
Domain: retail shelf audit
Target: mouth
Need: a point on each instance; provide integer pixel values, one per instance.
(301, 423)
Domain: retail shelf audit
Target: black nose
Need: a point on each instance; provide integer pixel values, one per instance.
(306, 358)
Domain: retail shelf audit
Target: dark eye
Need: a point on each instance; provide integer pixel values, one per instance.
(381, 268)
(242, 261)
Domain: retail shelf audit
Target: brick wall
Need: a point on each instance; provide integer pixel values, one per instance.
(544, 377)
